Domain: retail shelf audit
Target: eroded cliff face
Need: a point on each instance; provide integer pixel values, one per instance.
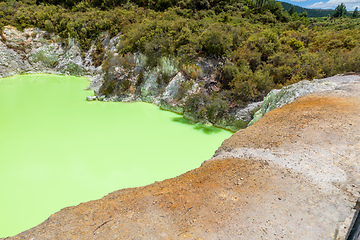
(294, 174)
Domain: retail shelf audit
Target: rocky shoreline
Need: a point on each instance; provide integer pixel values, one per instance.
(36, 51)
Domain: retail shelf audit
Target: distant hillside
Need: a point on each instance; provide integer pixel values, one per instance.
(311, 12)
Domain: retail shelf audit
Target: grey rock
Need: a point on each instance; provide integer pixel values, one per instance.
(278, 98)
(36, 51)
(150, 89)
(168, 99)
(91, 98)
(101, 98)
(246, 114)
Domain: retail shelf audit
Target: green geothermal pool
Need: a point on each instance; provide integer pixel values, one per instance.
(58, 150)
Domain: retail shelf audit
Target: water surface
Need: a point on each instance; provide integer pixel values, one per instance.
(58, 150)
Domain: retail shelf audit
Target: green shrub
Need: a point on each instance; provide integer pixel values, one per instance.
(125, 85)
(229, 71)
(195, 106)
(265, 42)
(295, 44)
(191, 71)
(215, 41)
(217, 108)
(243, 85)
(98, 53)
(185, 86)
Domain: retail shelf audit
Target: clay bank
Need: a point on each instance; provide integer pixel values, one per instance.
(293, 174)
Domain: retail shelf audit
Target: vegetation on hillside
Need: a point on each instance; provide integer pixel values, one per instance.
(260, 45)
(314, 13)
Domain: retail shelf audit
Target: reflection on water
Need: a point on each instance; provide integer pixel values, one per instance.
(182, 120)
(201, 127)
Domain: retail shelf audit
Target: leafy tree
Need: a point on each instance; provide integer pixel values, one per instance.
(260, 3)
(292, 10)
(340, 11)
(355, 13)
(304, 14)
(214, 40)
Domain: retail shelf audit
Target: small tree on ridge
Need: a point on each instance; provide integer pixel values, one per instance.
(355, 13)
(340, 11)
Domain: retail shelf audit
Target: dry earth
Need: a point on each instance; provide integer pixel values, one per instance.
(292, 175)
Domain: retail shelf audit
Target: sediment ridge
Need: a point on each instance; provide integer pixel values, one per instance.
(294, 174)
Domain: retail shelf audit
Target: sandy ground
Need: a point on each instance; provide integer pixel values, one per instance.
(292, 175)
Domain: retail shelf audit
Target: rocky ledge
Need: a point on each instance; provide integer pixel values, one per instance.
(294, 174)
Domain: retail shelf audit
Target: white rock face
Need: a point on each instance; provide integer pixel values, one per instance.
(168, 99)
(245, 114)
(149, 89)
(278, 98)
(91, 98)
(36, 51)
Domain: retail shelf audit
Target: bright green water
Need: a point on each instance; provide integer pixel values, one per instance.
(58, 150)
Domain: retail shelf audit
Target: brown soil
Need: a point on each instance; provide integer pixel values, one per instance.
(292, 175)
